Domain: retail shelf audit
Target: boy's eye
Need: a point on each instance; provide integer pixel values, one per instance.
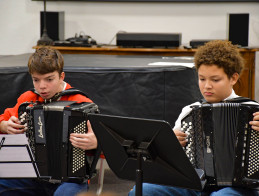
(201, 79)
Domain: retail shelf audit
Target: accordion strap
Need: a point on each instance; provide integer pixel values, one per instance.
(70, 91)
(234, 100)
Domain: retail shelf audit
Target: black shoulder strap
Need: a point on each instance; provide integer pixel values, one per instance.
(234, 100)
(239, 100)
(70, 91)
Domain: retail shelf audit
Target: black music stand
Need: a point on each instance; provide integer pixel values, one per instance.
(144, 150)
(16, 159)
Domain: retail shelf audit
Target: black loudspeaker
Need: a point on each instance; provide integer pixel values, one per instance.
(239, 29)
(149, 40)
(54, 24)
(195, 43)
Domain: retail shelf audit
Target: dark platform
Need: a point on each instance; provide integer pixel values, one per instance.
(120, 85)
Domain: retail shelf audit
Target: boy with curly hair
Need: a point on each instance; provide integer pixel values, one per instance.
(219, 65)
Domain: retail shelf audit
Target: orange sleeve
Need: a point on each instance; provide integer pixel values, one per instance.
(27, 96)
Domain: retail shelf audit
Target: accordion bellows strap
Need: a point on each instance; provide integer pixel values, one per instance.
(222, 143)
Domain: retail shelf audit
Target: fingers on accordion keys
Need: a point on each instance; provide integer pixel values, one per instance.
(183, 127)
(25, 126)
(22, 118)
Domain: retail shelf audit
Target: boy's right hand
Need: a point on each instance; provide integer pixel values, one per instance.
(181, 136)
(13, 126)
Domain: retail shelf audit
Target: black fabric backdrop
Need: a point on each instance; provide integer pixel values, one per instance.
(119, 85)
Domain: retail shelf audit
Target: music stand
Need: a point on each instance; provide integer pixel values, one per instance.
(16, 159)
(144, 150)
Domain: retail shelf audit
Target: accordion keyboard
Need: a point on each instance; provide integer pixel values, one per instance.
(79, 154)
(253, 161)
(26, 119)
(189, 148)
(194, 146)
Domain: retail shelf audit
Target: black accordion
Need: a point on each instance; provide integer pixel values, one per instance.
(222, 143)
(49, 127)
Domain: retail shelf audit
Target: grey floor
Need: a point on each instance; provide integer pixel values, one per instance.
(111, 183)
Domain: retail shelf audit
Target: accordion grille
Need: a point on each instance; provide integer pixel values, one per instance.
(253, 161)
(78, 154)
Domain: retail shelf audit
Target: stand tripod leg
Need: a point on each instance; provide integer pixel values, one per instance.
(139, 176)
(101, 177)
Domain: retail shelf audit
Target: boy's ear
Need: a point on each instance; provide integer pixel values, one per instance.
(62, 75)
(234, 78)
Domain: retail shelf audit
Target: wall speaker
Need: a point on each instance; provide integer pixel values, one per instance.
(239, 29)
(54, 24)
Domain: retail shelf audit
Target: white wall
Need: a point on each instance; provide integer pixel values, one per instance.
(20, 20)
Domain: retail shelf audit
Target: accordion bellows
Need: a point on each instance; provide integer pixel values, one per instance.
(222, 143)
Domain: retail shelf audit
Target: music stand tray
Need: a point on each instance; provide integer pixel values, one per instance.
(16, 159)
(163, 161)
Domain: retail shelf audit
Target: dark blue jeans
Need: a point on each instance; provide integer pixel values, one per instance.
(29, 187)
(160, 190)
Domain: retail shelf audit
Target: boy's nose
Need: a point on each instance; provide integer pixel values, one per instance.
(42, 85)
(207, 84)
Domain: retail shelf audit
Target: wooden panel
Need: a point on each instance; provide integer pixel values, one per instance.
(246, 84)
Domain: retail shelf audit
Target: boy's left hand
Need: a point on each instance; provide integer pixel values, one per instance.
(255, 122)
(86, 141)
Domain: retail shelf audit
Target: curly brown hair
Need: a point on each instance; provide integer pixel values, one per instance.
(46, 60)
(221, 53)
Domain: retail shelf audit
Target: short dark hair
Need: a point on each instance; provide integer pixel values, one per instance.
(46, 60)
(221, 53)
